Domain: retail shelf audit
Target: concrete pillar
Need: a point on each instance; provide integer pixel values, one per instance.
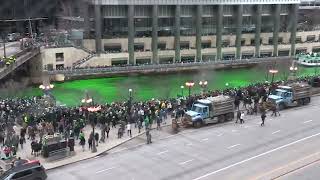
(257, 37)
(97, 26)
(86, 17)
(198, 32)
(154, 43)
(131, 33)
(293, 28)
(238, 30)
(219, 31)
(177, 34)
(276, 26)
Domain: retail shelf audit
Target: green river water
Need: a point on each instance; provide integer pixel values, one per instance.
(155, 86)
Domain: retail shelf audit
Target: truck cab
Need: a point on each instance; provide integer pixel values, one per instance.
(198, 113)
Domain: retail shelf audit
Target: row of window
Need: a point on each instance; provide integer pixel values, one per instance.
(185, 10)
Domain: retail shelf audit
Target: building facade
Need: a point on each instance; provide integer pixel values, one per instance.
(162, 31)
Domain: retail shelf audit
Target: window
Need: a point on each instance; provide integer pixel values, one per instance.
(162, 46)
(311, 38)
(22, 174)
(60, 66)
(59, 57)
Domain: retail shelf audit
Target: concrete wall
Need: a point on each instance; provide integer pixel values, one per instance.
(169, 41)
(71, 55)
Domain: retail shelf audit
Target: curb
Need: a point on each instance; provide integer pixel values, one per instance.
(96, 155)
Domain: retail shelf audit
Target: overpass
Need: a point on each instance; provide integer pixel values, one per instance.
(162, 68)
(22, 57)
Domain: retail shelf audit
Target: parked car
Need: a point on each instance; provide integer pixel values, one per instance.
(13, 37)
(25, 170)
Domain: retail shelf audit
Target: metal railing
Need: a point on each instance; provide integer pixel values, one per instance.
(22, 57)
(160, 67)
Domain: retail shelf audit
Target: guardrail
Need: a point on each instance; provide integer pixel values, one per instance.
(161, 67)
(22, 57)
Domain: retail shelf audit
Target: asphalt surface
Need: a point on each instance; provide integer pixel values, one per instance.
(227, 151)
(11, 48)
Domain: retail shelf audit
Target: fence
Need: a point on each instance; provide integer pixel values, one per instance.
(161, 67)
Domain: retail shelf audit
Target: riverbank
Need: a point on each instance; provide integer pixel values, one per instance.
(156, 85)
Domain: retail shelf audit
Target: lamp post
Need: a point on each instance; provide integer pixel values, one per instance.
(273, 72)
(189, 84)
(182, 87)
(4, 45)
(46, 88)
(203, 85)
(87, 101)
(293, 69)
(129, 105)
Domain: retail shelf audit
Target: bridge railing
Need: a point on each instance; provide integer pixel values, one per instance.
(22, 57)
(135, 68)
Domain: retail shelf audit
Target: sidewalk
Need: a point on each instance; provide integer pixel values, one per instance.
(80, 155)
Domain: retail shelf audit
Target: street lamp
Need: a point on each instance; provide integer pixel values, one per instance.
(129, 105)
(273, 72)
(87, 101)
(46, 88)
(189, 84)
(203, 85)
(293, 70)
(182, 87)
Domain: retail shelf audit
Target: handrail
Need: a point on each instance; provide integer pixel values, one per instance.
(122, 69)
(22, 57)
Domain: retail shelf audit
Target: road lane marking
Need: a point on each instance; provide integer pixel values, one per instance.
(105, 170)
(275, 132)
(255, 157)
(234, 130)
(307, 121)
(163, 152)
(285, 166)
(220, 134)
(246, 126)
(205, 139)
(185, 162)
(230, 147)
(189, 144)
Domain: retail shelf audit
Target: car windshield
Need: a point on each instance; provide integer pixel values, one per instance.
(279, 93)
(197, 109)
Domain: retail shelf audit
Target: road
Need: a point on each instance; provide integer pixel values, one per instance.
(11, 48)
(227, 151)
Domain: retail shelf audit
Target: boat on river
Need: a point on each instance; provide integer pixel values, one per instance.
(309, 60)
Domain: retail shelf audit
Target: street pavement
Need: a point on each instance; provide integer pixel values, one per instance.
(224, 151)
(11, 49)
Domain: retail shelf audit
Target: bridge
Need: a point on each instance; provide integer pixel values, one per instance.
(162, 68)
(22, 57)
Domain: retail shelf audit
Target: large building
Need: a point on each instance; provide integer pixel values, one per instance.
(167, 31)
(161, 31)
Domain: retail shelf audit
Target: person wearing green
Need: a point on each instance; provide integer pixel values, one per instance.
(146, 122)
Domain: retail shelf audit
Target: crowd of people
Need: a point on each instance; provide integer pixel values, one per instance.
(36, 119)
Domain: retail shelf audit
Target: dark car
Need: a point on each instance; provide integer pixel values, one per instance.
(315, 82)
(32, 170)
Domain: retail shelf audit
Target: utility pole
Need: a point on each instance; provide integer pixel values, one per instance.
(4, 45)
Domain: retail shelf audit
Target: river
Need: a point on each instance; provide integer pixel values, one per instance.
(155, 86)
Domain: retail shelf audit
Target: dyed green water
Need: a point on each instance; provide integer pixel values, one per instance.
(156, 86)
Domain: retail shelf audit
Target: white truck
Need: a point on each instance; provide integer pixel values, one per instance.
(210, 110)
